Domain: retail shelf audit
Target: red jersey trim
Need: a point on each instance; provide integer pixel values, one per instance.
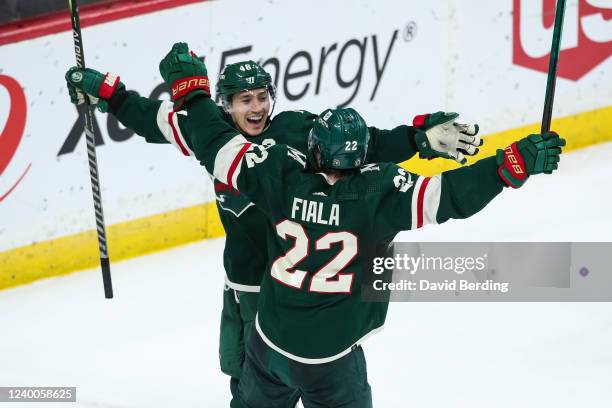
(420, 200)
(235, 163)
(177, 139)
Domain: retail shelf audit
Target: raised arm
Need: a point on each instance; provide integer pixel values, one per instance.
(157, 121)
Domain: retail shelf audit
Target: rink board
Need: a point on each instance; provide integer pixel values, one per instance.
(482, 60)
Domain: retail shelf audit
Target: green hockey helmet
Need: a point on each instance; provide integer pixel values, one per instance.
(341, 137)
(242, 76)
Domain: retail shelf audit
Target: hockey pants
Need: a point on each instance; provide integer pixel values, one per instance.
(239, 309)
(271, 380)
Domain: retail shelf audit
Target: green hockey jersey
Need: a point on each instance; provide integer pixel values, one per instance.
(245, 255)
(309, 307)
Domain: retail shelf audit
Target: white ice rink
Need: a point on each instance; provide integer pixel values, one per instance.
(155, 344)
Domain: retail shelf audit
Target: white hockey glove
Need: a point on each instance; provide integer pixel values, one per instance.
(440, 136)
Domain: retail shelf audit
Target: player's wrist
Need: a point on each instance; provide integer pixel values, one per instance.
(107, 86)
(188, 88)
(424, 146)
(120, 96)
(511, 166)
(423, 123)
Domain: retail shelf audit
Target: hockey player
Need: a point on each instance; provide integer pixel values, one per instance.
(326, 207)
(246, 92)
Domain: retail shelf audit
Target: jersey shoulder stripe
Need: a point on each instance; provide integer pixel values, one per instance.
(167, 122)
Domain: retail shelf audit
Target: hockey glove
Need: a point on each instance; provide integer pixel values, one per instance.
(441, 136)
(185, 73)
(98, 87)
(532, 155)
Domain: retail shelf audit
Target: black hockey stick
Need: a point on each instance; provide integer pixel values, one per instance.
(552, 67)
(91, 155)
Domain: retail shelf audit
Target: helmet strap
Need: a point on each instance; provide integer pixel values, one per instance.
(272, 95)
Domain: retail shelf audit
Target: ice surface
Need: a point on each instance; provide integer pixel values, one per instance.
(156, 343)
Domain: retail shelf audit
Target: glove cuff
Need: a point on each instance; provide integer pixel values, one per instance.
(511, 166)
(182, 87)
(419, 120)
(430, 120)
(110, 82)
(423, 146)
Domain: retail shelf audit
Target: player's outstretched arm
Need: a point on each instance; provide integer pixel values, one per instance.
(411, 201)
(146, 117)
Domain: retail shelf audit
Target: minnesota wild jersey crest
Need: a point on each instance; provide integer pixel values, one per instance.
(231, 200)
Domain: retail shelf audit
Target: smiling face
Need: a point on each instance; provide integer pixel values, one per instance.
(249, 110)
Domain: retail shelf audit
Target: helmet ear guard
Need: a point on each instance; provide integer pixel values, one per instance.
(341, 137)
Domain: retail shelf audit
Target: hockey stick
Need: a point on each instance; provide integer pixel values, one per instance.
(552, 67)
(91, 154)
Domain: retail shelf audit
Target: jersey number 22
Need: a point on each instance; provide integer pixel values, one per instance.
(329, 278)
